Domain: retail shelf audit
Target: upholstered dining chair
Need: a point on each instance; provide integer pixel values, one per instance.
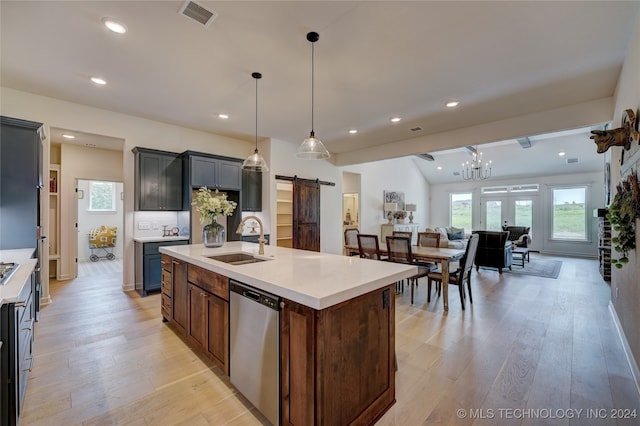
(429, 239)
(368, 246)
(350, 239)
(399, 251)
(405, 234)
(459, 276)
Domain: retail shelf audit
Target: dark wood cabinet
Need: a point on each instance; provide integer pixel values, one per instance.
(148, 265)
(325, 381)
(251, 191)
(158, 180)
(208, 327)
(215, 173)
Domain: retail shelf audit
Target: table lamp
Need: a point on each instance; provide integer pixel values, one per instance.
(390, 208)
(410, 208)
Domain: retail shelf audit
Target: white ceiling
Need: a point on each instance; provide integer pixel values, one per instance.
(374, 60)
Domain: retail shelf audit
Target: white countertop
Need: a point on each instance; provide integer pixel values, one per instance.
(11, 290)
(159, 239)
(316, 280)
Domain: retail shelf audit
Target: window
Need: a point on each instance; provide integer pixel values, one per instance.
(102, 196)
(460, 208)
(569, 213)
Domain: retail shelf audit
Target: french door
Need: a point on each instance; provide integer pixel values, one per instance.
(520, 210)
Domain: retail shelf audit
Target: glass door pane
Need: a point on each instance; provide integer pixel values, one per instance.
(523, 212)
(493, 215)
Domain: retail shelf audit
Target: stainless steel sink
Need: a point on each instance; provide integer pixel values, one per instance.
(237, 258)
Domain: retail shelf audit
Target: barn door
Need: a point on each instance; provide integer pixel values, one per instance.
(306, 215)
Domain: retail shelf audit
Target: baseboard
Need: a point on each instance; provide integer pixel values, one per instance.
(633, 365)
(45, 300)
(128, 287)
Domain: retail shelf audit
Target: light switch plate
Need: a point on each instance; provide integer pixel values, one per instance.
(144, 225)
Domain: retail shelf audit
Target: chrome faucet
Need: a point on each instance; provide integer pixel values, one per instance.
(261, 239)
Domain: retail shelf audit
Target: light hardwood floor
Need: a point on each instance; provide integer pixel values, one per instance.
(104, 357)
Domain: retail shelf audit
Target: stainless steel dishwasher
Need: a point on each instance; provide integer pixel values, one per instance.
(254, 347)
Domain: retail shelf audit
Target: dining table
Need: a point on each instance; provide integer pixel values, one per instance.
(442, 255)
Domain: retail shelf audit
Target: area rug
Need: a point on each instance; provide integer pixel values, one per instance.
(537, 267)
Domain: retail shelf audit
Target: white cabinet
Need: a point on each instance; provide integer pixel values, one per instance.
(387, 230)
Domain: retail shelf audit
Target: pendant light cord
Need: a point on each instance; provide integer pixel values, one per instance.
(256, 114)
(312, 84)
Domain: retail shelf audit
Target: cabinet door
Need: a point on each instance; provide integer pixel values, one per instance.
(173, 184)
(152, 273)
(204, 172)
(158, 181)
(150, 182)
(197, 329)
(251, 191)
(180, 295)
(218, 331)
(230, 175)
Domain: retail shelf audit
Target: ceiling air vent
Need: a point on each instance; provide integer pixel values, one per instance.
(416, 129)
(572, 160)
(426, 156)
(194, 11)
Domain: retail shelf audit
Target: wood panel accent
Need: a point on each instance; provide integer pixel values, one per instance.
(306, 215)
(337, 365)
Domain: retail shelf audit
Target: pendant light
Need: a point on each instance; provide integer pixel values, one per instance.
(312, 148)
(255, 162)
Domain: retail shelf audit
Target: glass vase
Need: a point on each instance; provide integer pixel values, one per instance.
(213, 235)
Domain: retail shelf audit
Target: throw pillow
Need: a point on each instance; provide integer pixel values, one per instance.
(455, 230)
(455, 235)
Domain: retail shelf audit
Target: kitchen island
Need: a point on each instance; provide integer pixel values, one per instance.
(336, 328)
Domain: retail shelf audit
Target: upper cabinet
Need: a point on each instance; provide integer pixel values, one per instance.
(158, 180)
(251, 191)
(214, 172)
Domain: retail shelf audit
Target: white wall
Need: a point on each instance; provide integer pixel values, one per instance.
(88, 220)
(395, 175)
(439, 209)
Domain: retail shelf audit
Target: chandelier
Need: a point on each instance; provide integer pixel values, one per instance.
(477, 169)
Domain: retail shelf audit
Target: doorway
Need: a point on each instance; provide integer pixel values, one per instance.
(99, 204)
(512, 210)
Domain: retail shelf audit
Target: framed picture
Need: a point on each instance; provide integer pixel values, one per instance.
(394, 197)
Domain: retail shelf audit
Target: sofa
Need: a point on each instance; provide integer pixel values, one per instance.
(494, 250)
(451, 237)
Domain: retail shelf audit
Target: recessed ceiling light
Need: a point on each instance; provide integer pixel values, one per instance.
(353, 131)
(395, 119)
(223, 116)
(114, 25)
(562, 153)
(67, 136)
(452, 104)
(439, 167)
(99, 81)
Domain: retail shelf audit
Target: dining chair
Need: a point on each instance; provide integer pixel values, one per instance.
(399, 251)
(405, 234)
(368, 246)
(428, 239)
(350, 239)
(459, 276)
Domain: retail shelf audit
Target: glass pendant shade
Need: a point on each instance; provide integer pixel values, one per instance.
(312, 149)
(255, 162)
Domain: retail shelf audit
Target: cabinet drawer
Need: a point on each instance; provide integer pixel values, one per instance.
(154, 248)
(166, 305)
(210, 281)
(166, 263)
(166, 283)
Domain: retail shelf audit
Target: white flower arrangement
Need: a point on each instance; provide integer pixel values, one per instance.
(210, 205)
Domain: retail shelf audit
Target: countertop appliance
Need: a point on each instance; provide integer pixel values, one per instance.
(254, 347)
